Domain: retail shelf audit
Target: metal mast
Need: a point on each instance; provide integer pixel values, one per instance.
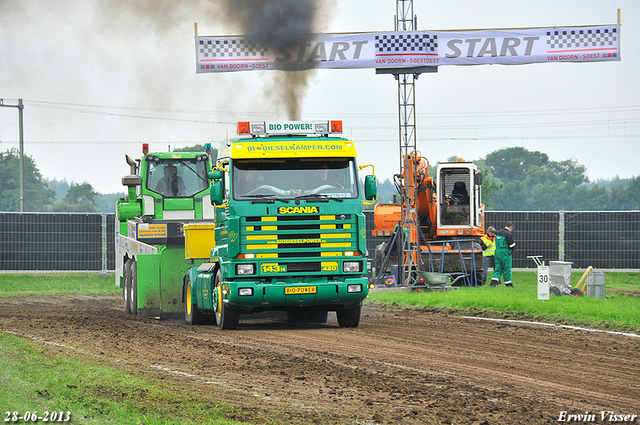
(406, 21)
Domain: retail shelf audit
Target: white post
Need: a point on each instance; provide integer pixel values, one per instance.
(543, 282)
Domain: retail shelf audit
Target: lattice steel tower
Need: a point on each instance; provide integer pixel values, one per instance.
(405, 20)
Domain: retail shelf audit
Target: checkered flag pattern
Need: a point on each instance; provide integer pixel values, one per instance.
(584, 38)
(406, 43)
(234, 48)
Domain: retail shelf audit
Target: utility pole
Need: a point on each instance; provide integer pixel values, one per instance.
(20, 107)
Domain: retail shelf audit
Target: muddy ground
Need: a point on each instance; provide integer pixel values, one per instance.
(398, 367)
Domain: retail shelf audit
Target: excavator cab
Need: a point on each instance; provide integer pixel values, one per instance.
(459, 208)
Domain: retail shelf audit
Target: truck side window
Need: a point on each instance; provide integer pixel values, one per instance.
(225, 183)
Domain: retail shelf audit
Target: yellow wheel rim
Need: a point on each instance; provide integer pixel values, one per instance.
(219, 306)
(188, 300)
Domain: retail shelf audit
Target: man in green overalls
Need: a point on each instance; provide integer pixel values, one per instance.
(504, 246)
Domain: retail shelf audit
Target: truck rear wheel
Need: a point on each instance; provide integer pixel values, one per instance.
(126, 284)
(225, 317)
(192, 315)
(349, 317)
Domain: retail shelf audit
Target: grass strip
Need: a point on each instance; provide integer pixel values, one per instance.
(40, 380)
(618, 312)
(30, 283)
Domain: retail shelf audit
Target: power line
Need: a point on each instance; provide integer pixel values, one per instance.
(77, 107)
(359, 140)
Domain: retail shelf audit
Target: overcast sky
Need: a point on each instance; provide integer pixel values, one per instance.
(101, 77)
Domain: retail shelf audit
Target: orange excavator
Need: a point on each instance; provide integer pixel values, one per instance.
(442, 221)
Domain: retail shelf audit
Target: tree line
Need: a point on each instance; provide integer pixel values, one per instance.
(514, 179)
(44, 195)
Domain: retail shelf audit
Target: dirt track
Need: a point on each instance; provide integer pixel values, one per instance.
(398, 367)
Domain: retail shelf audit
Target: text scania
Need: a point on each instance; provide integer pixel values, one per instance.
(480, 47)
(298, 210)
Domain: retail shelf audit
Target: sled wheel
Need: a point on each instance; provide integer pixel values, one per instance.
(133, 289)
(126, 284)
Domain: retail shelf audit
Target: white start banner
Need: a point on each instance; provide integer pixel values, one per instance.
(413, 49)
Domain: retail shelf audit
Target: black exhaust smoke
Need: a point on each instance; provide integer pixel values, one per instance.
(282, 26)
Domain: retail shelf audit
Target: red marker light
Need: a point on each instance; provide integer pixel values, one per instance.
(145, 148)
(336, 126)
(244, 127)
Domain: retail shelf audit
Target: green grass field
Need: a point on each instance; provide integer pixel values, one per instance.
(620, 311)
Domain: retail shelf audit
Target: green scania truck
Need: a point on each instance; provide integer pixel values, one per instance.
(288, 232)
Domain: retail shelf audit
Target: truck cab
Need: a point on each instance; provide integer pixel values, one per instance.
(289, 228)
(460, 210)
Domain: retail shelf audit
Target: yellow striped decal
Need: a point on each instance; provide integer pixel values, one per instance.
(334, 235)
(261, 237)
(273, 218)
(336, 245)
(270, 246)
(268, 255)
(327, 217)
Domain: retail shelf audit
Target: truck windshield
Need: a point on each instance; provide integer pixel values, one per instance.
(177, 178)
(295, 178)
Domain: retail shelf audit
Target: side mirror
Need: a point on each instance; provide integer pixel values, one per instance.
(216, 192)
(131, 180)
(370, 188)
(216, 174)
(478, 178)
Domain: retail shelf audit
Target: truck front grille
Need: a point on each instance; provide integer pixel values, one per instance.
(297, 247)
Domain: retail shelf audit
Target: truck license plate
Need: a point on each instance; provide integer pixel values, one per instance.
(300, 290)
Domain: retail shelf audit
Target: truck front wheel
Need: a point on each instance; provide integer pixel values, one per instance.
(192, 315)
(349, 317)
(226, 318)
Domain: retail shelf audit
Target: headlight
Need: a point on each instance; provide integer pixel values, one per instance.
(245, 269)
(245, 292)
(354, 288)
(351, 266)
